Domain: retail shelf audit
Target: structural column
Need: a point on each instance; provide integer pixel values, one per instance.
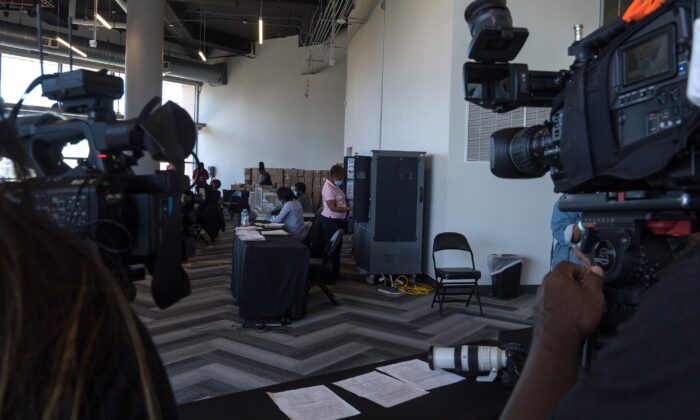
(144, 61)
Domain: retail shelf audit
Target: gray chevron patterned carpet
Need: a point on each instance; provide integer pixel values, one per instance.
(207, 352)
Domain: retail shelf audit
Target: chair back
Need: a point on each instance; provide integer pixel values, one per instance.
(239, 201)
(333, 244)
(226, 196)
(451, 241)
(330, 248)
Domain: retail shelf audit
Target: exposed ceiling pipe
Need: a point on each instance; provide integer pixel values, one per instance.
(91, 22)
(71, 8)
(327, 23)
(20, 37)
(361, 15)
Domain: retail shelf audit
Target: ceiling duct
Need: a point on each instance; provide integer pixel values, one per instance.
(17, 37)
(328, 21)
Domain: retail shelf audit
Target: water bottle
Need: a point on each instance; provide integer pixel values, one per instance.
(244, 218)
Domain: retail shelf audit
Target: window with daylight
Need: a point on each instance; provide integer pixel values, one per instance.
(181, 94)
(17, 73)
(190, 165)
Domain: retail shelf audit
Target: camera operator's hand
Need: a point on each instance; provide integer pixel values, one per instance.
(583, 257)
(570, 302)
(568, 308)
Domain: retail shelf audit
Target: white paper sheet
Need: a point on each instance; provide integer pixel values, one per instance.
(245, 228)
(314, 403)
(381, 389)
(250, 236)
(417, 372)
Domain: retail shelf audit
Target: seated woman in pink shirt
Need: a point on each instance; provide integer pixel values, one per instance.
(335, 211)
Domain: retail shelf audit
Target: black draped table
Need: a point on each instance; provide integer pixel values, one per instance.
(269, 279)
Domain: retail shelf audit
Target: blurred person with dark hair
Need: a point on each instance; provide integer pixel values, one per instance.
(213, 195)
(291, 214)
(334, 213)
(303, 199)
(211, 211)
(70, 345)
(265, 179)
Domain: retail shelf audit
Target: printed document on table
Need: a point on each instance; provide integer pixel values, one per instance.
(418, 372)
(381, 389)
(316, 402)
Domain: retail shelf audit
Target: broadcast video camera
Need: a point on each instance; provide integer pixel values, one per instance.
(620, 140)
(133, 219)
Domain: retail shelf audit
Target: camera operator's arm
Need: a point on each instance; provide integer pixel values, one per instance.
(565, 226)
(568, 308)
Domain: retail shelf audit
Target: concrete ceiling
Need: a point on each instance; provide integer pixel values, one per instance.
(230, 26)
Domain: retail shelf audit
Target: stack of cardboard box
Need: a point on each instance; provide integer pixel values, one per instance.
(243, 187)
(313, 179)
(249, 176)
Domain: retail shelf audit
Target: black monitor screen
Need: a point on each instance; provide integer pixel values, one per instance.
(648, 59)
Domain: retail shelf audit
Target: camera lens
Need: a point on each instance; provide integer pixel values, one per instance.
(467, 358)
(518, 153)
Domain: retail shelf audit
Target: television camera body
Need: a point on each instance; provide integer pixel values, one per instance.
(620, 141)
(134, 219)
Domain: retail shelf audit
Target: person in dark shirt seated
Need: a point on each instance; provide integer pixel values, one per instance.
(265, 179)
(302, 198)
(70, 345)
(291, 214)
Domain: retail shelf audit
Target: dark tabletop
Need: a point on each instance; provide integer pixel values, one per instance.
(467, 399)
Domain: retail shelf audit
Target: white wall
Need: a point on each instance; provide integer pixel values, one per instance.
(262, 114)
(363, 102)
(509, 216)
(404, 89)
(399, 92)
